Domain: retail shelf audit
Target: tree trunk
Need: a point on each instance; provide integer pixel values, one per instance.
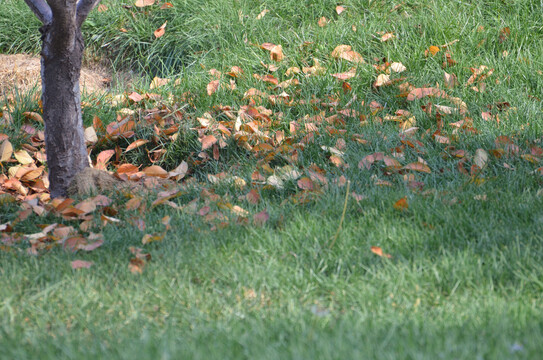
(62, 52)
(61, 58)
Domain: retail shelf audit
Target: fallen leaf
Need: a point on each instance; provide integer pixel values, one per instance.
(161, 30)
(260, 218)
(340, 9)
(378, 251)
(208, 141)
(5, 151)
(262, 14)
(212, 87)
(481, 157)
(401, 204)
(418, 166)
(323, 21)
(79, 264)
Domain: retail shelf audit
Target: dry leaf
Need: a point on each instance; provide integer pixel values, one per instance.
(212, 87)
(401, 204)
(79, 264)
(161, 30)
(262, 14)
(340, 9)
(378, 251)
(481, 157)
(5, 151)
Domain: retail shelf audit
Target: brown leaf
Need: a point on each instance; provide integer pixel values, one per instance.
(6, 149)
(136, 144)
(418, 166)
(155, 170)
(306, 183)
(401, 204)
(135, 97)
(78, 264)
(208, 141)
(276, 53)
(33, 116)
(212, 87)
(161, 30)
(345, 75)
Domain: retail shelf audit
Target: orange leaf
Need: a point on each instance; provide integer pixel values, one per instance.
(433, 50)
(166, 6)
(33, 116)
(208, 141)
(136, 144)
(161, 30)
(276, 53)
(135, 97)
(340, 9)
(212, 87)
(155, 170)
(401, 204)
(378, 251)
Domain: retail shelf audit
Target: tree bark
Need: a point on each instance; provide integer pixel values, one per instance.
(61, 56)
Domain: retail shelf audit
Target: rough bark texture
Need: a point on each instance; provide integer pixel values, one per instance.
(62, 52)
(64, 134)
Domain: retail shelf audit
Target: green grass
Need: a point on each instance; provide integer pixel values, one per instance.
(465, 280)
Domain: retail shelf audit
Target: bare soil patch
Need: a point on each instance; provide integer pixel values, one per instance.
(22, 72)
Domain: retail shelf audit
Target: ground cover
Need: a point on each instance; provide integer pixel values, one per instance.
(337, 180)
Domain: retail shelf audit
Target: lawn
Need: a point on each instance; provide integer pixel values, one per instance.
(384, 208)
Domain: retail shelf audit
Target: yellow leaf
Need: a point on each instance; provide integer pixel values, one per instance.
(433, 50)
(5, 151)
(23, 157)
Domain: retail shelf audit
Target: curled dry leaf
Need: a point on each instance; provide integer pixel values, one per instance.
(161, 30)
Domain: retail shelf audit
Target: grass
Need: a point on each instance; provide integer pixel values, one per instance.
(465, 277)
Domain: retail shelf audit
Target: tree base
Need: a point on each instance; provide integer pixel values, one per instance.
(92, 181)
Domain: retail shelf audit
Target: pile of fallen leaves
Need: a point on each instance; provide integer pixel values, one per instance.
(256, 127)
